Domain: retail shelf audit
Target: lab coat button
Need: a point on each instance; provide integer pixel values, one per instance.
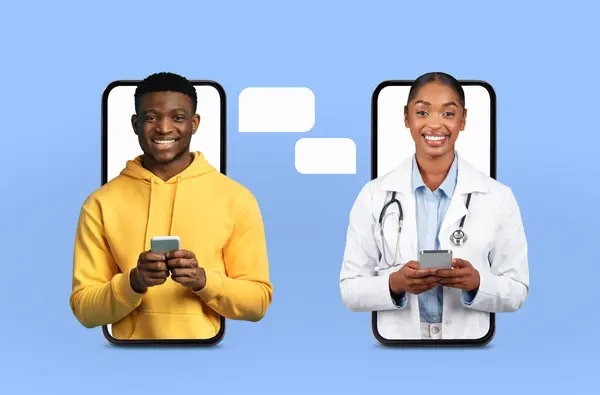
(435, 330)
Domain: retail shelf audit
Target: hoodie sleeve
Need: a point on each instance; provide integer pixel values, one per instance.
(101, 295)
(245, 293)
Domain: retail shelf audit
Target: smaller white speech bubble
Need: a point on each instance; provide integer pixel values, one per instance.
(325, 156)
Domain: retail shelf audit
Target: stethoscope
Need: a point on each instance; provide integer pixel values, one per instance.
(458, 237)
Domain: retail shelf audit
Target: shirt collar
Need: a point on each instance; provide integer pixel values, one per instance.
(449, 183)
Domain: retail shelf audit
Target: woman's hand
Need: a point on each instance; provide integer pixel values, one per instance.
(462, 276)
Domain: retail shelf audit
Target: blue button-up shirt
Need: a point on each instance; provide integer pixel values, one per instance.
(431, 210)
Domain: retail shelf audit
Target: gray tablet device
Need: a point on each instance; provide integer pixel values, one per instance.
(435, 259)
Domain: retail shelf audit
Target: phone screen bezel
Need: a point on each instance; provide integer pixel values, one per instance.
(104, 171)
(487, 338)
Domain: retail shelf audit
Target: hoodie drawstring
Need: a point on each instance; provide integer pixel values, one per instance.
(174, 205)
(146, 241)
(146, 237)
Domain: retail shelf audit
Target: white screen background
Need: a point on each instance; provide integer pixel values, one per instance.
(394, 142)
(123, 145)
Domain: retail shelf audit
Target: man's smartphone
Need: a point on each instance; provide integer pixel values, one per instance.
(164, 244)
(435, 259)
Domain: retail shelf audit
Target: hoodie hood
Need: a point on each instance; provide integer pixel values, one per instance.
(198, 167)
(135, 170)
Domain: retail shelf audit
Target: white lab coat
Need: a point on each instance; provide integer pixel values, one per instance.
(496, 247)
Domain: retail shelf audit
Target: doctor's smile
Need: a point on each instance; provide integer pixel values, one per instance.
(434, 246)
(435, 140)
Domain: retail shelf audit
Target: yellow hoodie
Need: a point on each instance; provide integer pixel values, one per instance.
(216, 218)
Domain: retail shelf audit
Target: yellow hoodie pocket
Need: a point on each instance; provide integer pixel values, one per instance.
(171, 326)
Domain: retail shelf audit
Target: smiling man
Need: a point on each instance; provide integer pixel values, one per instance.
(221, 268)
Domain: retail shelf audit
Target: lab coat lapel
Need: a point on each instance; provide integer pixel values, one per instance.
(399, 180)
(456, 210)
(469, 180)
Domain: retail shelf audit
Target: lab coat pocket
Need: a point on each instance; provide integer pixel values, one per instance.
(382, 270)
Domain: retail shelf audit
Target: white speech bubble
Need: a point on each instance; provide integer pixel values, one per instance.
(326, 156)
(267, 110)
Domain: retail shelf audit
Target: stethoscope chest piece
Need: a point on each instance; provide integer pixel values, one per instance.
(458, 237)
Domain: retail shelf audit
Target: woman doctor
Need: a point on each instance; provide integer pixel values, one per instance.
(436, 188)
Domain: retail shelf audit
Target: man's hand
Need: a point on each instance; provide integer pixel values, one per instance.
(151, 270)
(462, 276)
(184, 269)
(413, 280)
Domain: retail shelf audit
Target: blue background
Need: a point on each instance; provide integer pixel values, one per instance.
(541, 59)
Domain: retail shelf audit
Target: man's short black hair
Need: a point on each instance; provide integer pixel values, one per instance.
(166, 82)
